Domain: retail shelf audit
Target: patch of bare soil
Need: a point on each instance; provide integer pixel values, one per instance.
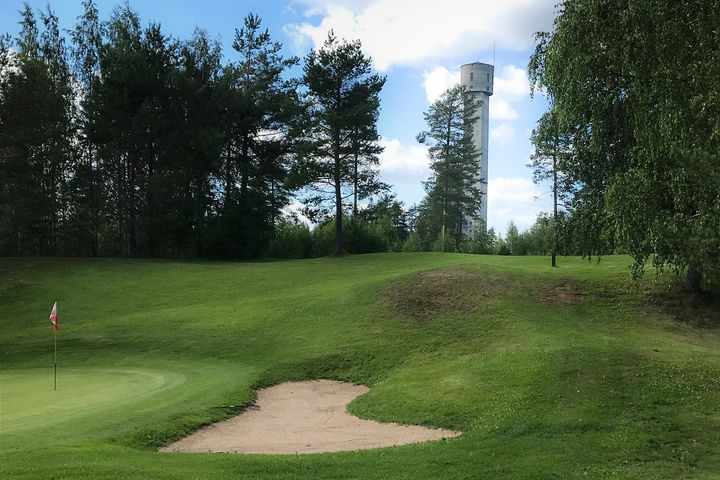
(566, 292)
(436, 292)
(303, 417)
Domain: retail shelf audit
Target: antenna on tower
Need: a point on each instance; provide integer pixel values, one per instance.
(493, 53)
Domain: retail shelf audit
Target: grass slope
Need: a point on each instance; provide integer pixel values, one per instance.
(551, 374)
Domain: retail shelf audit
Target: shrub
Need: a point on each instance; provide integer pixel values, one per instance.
(292, 240)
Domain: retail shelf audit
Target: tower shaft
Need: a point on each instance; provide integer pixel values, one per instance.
(478, 79)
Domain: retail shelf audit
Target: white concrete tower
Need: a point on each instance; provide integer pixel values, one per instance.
(478, 78)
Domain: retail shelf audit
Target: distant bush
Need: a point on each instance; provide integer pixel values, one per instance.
(503, 248)
(358, 237)
(412, 244)
(363, 237)
(292, 240)
(446, 244)
(296, 240)
(483, 241)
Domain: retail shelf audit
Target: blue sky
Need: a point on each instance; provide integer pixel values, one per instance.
(418, 45)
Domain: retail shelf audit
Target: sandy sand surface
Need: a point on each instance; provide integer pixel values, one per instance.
(303, 417)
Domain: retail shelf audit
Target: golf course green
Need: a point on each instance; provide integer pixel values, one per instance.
(573, 373)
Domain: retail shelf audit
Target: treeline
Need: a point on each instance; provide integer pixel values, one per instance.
(387, 227)
(382, 226)
(539, 239)
(631, 134)
(118, 139)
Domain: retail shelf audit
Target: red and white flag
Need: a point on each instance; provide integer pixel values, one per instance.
(54, 318)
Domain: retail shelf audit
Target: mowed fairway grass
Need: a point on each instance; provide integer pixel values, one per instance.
(573, 373)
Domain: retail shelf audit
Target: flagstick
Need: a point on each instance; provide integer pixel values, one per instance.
(55, 365)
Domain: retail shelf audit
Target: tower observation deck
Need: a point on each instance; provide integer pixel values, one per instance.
(478, 78)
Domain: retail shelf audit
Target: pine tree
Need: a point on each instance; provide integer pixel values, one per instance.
(35, 140)
(453, 193)
(259, 104)
(58, 132)
(339, 126)
(115, 101)
(197, 142)
(86, 184)
(365, 147)
(548, 164)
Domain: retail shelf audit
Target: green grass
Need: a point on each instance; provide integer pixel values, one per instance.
(602, 383)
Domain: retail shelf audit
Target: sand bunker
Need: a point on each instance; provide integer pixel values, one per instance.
(303, 417)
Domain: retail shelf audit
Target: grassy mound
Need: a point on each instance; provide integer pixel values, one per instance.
(445, 291)
(568, 373)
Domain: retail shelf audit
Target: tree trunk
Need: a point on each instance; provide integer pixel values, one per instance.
(131, 231)
(445, 181)
(228, 177)
(93, 203)
(458, 229)
(555, 213)
(339, 249)
(245, 167)
(355, 186)
(693, 280)
(444, 211)
(151, 201)
(272, 202)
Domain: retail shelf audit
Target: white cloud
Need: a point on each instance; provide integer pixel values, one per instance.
(397, 32)
(500, 109)
(502, 134)
(400, 163)
(405, 167)
(8, 64)
(437, 80)
(511, 85)
(294, 211)
(514, 199)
